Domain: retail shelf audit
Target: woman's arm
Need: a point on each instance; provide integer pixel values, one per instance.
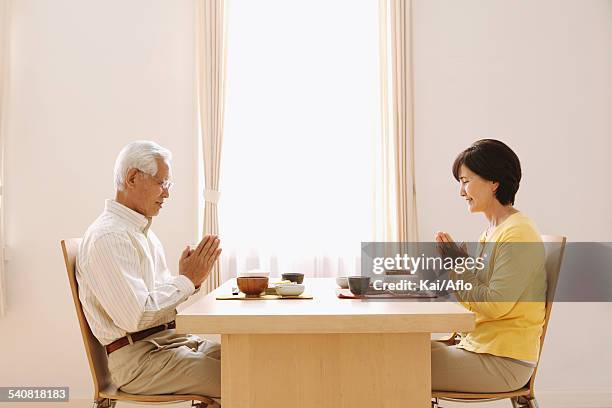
(516, 265)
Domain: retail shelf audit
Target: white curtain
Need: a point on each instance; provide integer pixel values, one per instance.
(210, 43)
(4, 43)
(302, 116)
(396, 211)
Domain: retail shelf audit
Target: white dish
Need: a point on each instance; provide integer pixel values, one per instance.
(290, 289)
(342, 281)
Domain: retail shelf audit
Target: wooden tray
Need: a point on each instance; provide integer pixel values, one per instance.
(242, 296)
(377, 294)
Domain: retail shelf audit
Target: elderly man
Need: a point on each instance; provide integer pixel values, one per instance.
(128, 294)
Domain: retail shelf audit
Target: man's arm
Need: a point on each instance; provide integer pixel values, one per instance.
(112, 271)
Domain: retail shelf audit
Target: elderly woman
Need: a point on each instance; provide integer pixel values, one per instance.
(508, 294)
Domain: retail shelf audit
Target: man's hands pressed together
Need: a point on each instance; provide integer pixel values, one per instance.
(197, 263)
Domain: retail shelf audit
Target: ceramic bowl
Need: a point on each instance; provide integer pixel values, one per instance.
(290, 289)
(359, 285)
(342, 281)
(252, 286)
(293, 277)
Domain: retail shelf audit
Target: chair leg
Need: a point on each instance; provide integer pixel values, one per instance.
(522, 402)
(104, 403)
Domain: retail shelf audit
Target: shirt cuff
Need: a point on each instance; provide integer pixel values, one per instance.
(185, 285)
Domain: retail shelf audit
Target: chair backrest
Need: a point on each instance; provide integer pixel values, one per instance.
(96, 355)
(554, 246)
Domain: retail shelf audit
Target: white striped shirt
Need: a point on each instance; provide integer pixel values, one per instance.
(124, 283)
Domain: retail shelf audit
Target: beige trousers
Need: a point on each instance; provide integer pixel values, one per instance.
(455, 369)
(168, 363)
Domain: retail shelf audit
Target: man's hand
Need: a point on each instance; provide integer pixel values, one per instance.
(197, 263)
(448, 248)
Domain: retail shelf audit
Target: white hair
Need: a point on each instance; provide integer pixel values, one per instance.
(141, 155)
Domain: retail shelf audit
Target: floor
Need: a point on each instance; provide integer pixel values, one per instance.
(543, 401)
(549, 401)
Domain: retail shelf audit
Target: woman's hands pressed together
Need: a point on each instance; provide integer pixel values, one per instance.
(447, 247)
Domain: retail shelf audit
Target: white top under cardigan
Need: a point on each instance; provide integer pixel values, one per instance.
(124, 283)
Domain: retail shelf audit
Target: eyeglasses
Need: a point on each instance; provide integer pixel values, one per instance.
(164, 184)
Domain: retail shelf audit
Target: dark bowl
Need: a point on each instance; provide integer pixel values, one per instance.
(359, 285)
(252, 286)
(293, 277)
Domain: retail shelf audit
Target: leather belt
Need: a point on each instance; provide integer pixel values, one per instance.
(130, 338)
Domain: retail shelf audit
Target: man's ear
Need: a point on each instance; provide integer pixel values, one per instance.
(130, 178)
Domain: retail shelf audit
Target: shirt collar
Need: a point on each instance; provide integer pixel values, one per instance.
(127, 214)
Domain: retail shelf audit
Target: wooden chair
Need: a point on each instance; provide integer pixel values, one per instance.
(106, 393)
(524, 397)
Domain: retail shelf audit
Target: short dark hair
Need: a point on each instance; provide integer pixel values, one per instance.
(494, 161)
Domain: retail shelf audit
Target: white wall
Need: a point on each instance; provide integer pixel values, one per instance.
(87, 77)
(538, 75)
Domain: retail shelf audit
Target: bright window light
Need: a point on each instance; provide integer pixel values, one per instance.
(302, 118)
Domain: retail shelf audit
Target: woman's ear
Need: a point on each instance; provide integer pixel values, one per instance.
(130, 178)
(494, 186)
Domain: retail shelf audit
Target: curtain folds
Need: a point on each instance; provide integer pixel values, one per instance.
(211, 61)
(4, 63)
(396, 217)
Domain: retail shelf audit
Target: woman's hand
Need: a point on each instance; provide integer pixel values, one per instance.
(447, 247)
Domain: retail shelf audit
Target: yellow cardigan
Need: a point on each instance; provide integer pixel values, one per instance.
(508, 294)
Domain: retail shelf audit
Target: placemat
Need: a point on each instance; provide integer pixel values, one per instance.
(376, 294)
(242, 296)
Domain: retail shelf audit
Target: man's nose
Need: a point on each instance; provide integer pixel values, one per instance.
(165, 193)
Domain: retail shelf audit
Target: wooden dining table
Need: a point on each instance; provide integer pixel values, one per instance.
(324, 351)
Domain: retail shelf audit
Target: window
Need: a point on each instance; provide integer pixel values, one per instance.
(302, 115)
